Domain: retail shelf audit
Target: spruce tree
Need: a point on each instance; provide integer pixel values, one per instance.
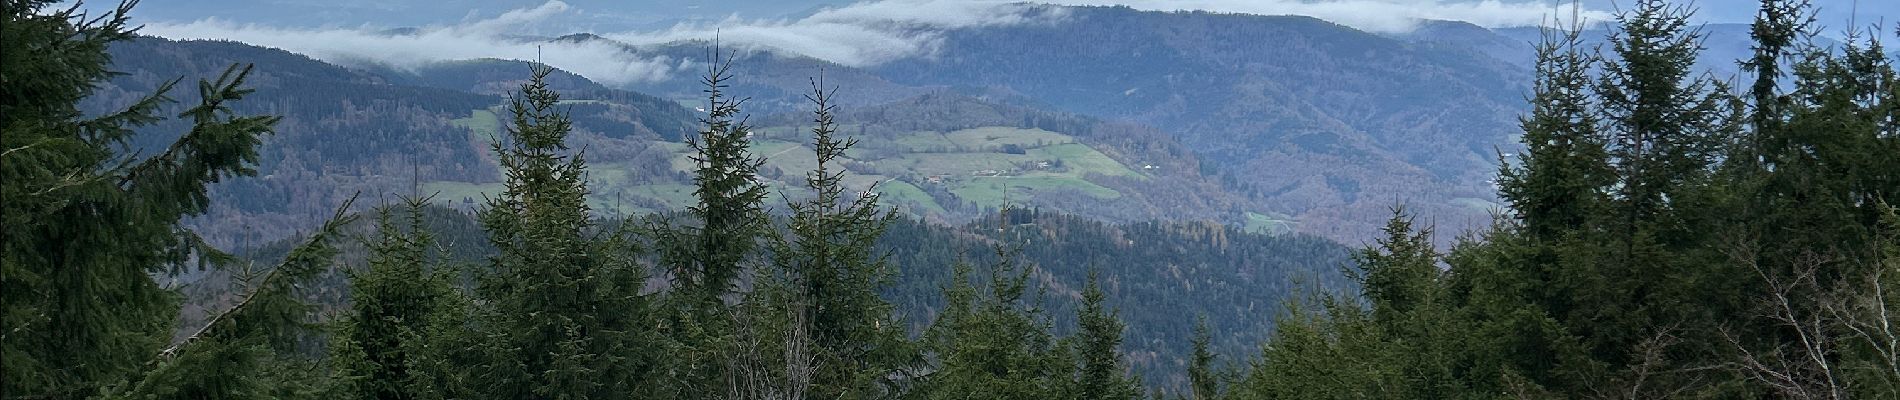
(1098, 345)
(705, 255)
(564, 316)
(729, 209)
(1664, 120)
(991, 342)
(1322, 347)
(405, 316)
(1778, 24)
(826, 272)
(1203, 380)
(1400, 338)
(87, 223)
(1816, 175)
(1401, 274)
(1666, 240)
(1534, 266)
(1666, 124)
(254, 349)
(1823, 156)
(1560, 177)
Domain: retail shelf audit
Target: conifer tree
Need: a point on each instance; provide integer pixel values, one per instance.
(1666, 125)
(826, 272)
(1400, 275)
(1667, 241)
(1203, 379)
(1400, 338)
(1560, 176)
(563, 309)
(405, 316)
(1322, 347)
(1817, 181)
(1098, 345)
(1534, 265)
(708, 259)
(1778, 24)
(86, 223)
(991, 342)
(254, 349)
(1664, 121)
(1821, 153)
(705, 256)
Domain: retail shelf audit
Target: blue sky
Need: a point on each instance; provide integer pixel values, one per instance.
(621, 14)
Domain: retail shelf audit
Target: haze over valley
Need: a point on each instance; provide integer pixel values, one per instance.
(950, 199)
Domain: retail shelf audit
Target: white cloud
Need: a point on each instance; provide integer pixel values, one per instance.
(514, 19)
(485, 38)
(859, 34)
(1380, 15)
(872, 32)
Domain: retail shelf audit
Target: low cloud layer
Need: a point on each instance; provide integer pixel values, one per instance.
(484, 38)
(860, 34)
(1386, 16)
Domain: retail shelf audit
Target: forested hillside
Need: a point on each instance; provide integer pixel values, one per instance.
(1671, 236)
(1312, 130)
(934, 146)
(1311, 119)
(1235, 279)
(940, 154)
(1661, 233)
(345, 131)
(308, 166)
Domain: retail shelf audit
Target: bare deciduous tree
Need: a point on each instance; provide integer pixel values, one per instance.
(754, 375)
(1843, 343)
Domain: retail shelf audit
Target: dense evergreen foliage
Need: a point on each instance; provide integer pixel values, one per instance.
(562, 313)
(1667, 236)
(397, 341)
(825, 275)
(89, 223)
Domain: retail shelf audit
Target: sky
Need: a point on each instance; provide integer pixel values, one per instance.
(633, 14)
(860, 33)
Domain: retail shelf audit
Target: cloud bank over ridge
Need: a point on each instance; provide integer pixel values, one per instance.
(484, 38)
(858, 34)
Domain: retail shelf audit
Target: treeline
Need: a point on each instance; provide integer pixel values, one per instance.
(561, 309)
(1158, 275)
(345, 130)
(643, 115)
(1671, 236)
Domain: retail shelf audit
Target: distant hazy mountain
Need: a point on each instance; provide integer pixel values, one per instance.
(938, 153)
(347, 130)
(1093, 189)
(592, 15)
(1320, 123)
(1308, 118)
(1284, 121)
(1268, 124)
(1303, 122)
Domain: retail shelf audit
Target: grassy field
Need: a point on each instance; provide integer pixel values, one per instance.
(908, 198)
(1081, 158)
(483, 125)
(970, 164)
(1269, 224)
(993, 137)
(990, 190)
